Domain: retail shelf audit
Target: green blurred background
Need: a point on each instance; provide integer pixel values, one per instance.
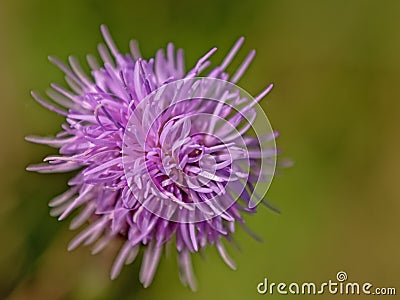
(336, 69)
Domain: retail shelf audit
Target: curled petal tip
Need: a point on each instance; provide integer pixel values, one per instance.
(28, 138)
(52, 59)
(103, 28)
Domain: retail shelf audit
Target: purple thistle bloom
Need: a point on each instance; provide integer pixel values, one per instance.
(163, 156)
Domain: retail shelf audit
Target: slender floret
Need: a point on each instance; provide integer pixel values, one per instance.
(161, 155)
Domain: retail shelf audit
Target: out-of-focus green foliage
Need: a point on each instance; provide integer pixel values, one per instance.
(336, 69)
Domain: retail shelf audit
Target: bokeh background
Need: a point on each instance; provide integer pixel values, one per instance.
(336, 102)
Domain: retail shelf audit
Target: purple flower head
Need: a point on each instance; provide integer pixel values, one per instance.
(163, 155)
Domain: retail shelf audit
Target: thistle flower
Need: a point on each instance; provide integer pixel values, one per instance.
(163, 156)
